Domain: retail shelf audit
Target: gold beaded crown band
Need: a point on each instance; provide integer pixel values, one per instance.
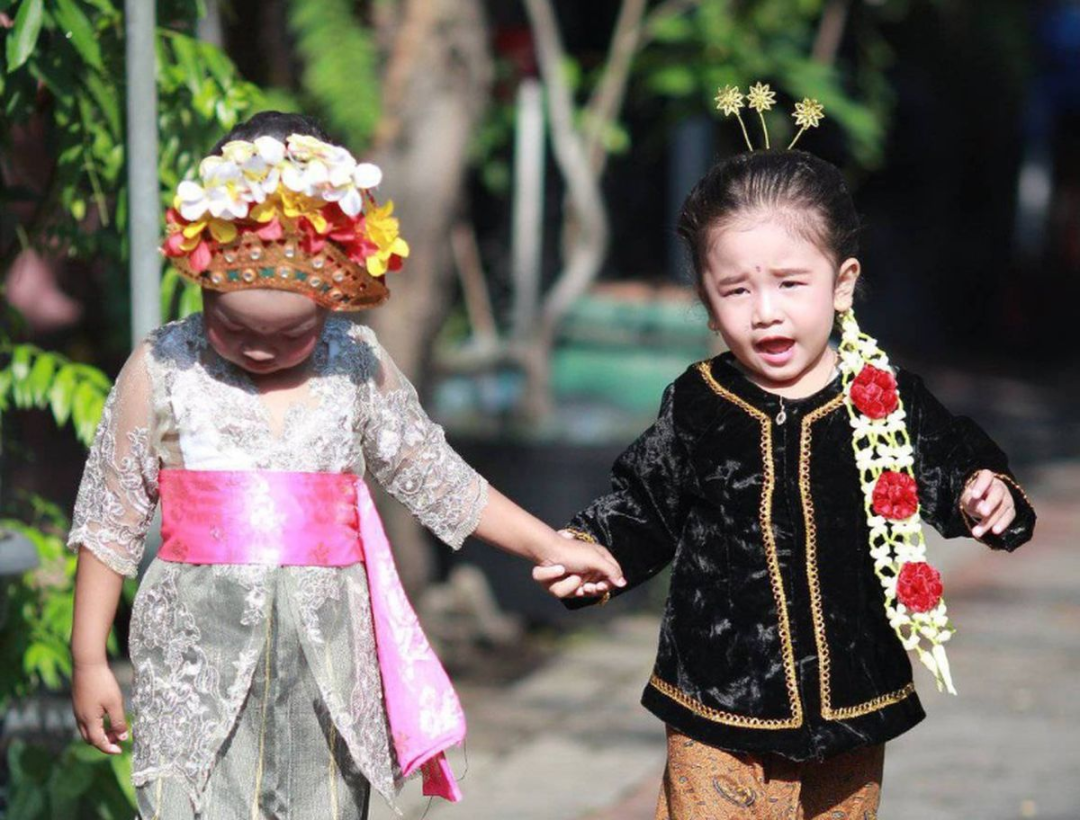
(297, 215)
(729, 99)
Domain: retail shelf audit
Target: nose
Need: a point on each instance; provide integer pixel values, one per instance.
(258, 355)
(765, 310)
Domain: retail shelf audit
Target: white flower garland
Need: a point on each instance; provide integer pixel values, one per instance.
(883, 445)
(247, 173)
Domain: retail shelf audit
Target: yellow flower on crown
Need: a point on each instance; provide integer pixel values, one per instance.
(382, 230)
(729, 100)
(287, 206)
(808, 113)
(761, 97)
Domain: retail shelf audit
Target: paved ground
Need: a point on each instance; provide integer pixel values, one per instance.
(570, 742)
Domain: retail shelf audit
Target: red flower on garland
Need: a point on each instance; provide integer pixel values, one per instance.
(918, 587)
(874, 392)
(895, 496)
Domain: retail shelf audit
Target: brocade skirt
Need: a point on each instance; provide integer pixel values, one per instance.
(705, 783)
(283, 760)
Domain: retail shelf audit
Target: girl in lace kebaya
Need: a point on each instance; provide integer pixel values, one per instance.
(785, 481)
(279, 669)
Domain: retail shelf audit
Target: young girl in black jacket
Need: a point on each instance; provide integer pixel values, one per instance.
(785, 481)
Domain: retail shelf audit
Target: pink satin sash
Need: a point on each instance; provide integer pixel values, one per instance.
(325, 519)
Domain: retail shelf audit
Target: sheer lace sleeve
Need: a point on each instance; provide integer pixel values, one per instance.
(407, 453)
(118, 492)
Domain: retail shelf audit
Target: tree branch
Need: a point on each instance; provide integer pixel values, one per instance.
(587, 251)
(607, 98)
(830, 31)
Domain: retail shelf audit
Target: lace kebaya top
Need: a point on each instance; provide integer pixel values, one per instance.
(197, 631)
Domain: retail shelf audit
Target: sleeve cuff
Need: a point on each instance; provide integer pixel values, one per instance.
(84, 538)
(469, 524)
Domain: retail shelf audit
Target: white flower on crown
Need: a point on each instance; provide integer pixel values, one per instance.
(317, 168)
(347, 195)
(225, 190)
(259, 162)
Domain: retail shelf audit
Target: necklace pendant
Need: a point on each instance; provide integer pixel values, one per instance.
(781, 417)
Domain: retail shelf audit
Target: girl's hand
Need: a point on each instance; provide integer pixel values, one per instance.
(578, 568)
(987, 499)
(95, 693)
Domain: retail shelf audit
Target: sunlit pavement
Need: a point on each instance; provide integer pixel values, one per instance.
(570, 741)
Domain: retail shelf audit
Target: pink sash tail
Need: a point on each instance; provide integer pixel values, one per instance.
(325, 519)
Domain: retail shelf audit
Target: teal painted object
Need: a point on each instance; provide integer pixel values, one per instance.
(625, 352)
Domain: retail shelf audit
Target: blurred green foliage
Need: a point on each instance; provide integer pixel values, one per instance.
(36, 610)
(62, 80)
(686, 56)
(719, 42)
(80, 783)
(340, 77)
(63, 76)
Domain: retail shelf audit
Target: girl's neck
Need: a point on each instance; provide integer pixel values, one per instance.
(812, 380)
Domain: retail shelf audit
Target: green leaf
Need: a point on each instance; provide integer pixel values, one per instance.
(23, 36)
(78, 30)
(40, 378)
(673, 29)
(5, 386)
(62, 393)
(41, 661)
(107, 98)
(121, 767)
(27, 802)
(674, 81)
(81, 401)
(169, 282)
(20, 362)
(190, 299)
(68, 784)
(187, 55)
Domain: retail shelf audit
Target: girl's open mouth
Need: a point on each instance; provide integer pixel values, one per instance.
(776, 351)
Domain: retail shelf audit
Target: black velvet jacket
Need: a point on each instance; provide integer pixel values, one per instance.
(774, 637)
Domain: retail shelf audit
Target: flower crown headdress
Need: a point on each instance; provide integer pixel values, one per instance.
(297, 215)
(884, 456)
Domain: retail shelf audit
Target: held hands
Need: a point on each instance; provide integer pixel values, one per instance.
(95, 693)
(578, 568)
(987, 499)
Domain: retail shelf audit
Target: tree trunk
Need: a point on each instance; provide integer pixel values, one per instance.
(436, 89)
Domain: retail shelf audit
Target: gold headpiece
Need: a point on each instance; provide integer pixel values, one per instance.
(297, 216)
(729, 99)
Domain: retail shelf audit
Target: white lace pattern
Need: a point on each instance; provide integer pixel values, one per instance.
(197, 631)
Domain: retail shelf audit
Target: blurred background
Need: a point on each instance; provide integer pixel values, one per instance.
(538, 152)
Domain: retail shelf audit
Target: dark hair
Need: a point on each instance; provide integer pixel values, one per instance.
(806, 191)
(275, 124)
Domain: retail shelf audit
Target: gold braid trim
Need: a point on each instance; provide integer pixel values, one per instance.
(765, 518)
(581, 535)
(817, 609)
(869, 706)
(718, 716)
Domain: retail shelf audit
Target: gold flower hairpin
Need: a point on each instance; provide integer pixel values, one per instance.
(761, 98)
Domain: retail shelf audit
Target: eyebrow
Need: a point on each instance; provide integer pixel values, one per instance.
(731, 280)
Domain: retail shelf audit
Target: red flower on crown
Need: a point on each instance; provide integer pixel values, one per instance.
(895, 495)
(918, 587)
(873, 391)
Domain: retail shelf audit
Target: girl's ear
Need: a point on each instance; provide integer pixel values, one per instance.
(844, 289)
